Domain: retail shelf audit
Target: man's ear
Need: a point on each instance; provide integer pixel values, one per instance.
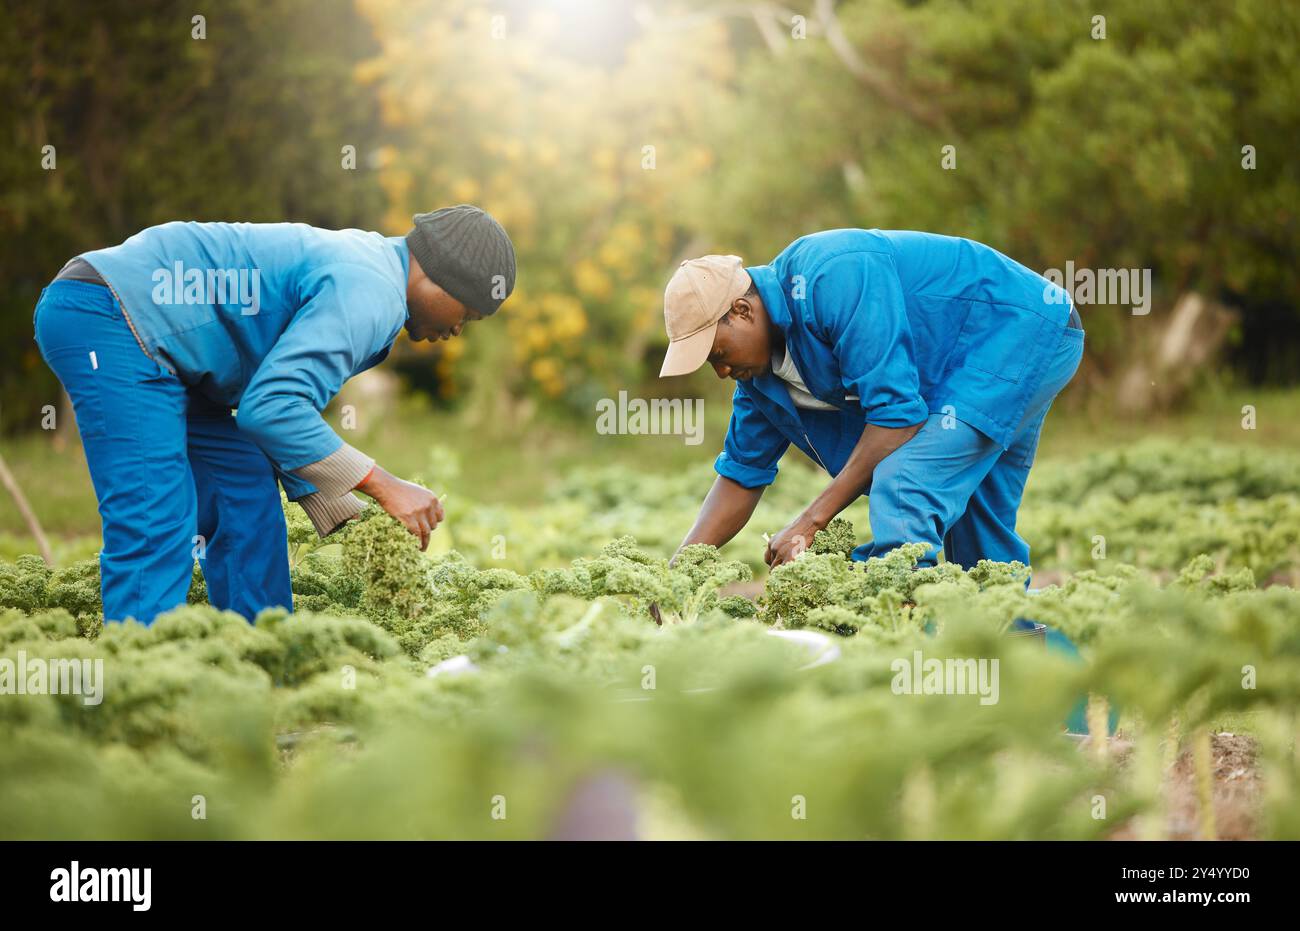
(742, 308)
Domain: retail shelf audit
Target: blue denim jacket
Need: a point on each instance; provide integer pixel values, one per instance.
(329, 304)
(890, 326)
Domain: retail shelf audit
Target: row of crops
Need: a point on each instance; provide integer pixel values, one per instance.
(554, 686)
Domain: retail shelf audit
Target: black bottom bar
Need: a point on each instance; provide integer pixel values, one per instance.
(336, 879)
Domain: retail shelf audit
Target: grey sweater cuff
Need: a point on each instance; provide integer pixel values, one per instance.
(329, 514)
(339, 472)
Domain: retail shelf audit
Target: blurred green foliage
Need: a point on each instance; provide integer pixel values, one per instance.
(325, 724)
(151, 125)
(1115, 152)
(614, 139)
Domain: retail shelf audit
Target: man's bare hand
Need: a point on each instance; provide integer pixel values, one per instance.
(415, 506)
(792, 540)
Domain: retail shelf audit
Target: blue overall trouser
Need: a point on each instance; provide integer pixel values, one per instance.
(175, 479)
(953, 487)
(952, 484)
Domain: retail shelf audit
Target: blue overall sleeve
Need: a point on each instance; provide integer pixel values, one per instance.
(350, 313)
(753, 445)
(857, 300)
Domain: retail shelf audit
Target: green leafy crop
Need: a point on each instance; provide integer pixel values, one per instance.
(326, 723)
(836, 538)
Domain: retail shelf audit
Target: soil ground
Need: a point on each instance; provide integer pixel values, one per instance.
(1236, 795)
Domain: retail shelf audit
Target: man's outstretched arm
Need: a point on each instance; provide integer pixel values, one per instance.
(725, 511)
(872, 447)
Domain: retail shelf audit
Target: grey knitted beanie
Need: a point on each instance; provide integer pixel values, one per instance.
(467, 254)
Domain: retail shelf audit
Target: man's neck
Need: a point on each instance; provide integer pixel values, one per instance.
(777, 338)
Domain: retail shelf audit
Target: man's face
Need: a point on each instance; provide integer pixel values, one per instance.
(433, 313)
(742, 346)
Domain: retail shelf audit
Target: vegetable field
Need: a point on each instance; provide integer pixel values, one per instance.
(513, 684)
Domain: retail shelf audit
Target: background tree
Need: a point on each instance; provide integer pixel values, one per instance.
(1117, 152)
(615, 139)
(150, 124)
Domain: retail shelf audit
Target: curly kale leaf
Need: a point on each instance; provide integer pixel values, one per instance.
(383, 561)
(797, 587)
(737, 606)
(23, 583)
(682, 591)
(836, 538)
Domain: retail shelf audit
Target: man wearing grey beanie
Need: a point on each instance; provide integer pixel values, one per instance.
(199, 356)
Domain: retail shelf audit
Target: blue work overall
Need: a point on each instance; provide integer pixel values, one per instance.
(159, 339)
(175, 479)
(897, 329)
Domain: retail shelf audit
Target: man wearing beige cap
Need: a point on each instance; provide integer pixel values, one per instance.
(912, 367)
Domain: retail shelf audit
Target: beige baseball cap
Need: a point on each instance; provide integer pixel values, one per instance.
(697, 297)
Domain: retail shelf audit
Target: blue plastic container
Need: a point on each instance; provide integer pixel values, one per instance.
(1077, 722)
